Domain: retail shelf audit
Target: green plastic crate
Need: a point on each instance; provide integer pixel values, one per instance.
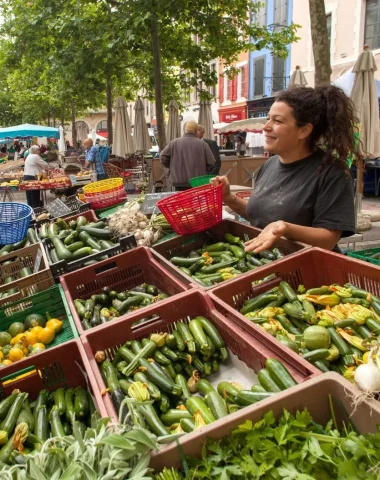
(52, 300)
(199, 181)
(106, 212)
(365, 255)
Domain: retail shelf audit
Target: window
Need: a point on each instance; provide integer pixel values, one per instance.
(372, 20)
(278, 74)
(328, 25)
(241, 82)
(226, 87)
(212, 89)
(258, 87)
(280, 13)
(102, 125)
(260, 18)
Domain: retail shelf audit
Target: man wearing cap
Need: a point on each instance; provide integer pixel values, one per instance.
(187, 157)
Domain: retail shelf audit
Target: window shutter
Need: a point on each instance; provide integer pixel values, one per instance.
(245, 89)
(221, 89)
(278, 74)
(234, 88)
(259, 77)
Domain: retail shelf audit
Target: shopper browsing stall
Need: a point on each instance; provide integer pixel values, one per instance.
(34, 165)
(93, 158)
(304, 192)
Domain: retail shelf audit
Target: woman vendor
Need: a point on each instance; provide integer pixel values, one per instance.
(305, 191)
(34, 165)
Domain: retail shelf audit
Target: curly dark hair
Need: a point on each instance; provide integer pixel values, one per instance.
(332, 115)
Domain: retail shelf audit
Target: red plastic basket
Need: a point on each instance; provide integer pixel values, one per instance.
(193, 210)
(63, 366)
(107, 198)
(121, 272)
(184, 307)
(311, 268)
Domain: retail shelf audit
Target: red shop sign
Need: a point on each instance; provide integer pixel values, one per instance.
(231, 115)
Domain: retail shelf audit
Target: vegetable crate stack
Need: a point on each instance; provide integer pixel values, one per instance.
(29, 326)
(323, 306)
(23, 273)
(179, 371)
(115, 288)
(48, 398)
(309, 431)
(207, 259)
(79, 240)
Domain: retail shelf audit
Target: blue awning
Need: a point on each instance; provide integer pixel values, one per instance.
(28, 130)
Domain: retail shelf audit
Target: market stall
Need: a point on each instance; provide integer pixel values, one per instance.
(183, 340)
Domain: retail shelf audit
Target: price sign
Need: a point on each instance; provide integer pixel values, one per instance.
(57, 208)
(150, 203)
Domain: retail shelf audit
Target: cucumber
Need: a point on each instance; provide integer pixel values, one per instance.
(279, 374)
(267, 382)
(247, 397)
(62, 252)
(216, 404)
(195, 405)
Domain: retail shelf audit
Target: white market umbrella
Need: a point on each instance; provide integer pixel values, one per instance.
(82, 132)
(173, 129)
(61, 141)
(98, 137)
(365, 100)
(93, 135)
(205, 119)
(297, 78)
(123, 142)
(141, 134)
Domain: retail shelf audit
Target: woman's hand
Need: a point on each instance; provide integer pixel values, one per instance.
(267, 238)
(227, 196)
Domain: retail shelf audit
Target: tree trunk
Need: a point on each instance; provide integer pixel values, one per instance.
(321, 47)
(63, 118)
(73, 126)
(109, 110)
(157, 83)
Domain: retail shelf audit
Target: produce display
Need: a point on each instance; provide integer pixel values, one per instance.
(28, 338)
(110, 304)
(11, 183)
(45, 184)
(221, 261)
(26, 425)
(162, 380)
(76, 239)
(30, 239)
(128, 219)
(334, 327)
(294, 447)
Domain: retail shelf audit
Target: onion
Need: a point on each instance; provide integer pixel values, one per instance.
(141, 243)
(138, 235)
(143, 225)
(148, 235)
(367, 375)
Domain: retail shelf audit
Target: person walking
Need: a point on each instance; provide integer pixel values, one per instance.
(93, 158)
(34, 165)
(214, 148)
(186, 157)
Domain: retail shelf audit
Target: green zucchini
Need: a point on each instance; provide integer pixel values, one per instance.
(151, 418)
(279, 374)
(133, 301)
(216, 404)
(181, 381)
(163, 381)
(186, 336)
(373, 325)
(258, 302)
(204, 387)
(101, 233)
(55, 423)
(70, 239)
(214, 335)
(81, 221)
(316, 355)
(89, 241)
(53, 230)
(6, 404)
(59, 400)
(287, 342)
(184, 262)
(247, 397)
(81, 252)
(62, 252)
(227, 391)
(69, 401)
(258, 388)
(75, 246)
(81, 404)
(174, 415)
(199, 335)
(53, 256)
(41, 427)
(187, 425)
(267, 382)
(338, 341)
(180, 343)
(154, 391)
(195, 405)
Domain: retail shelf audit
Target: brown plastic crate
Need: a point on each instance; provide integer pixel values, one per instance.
(313, 395)
(120, 272)
(184, 307)
(63, 366)
(311, 268)
(183, 245)
(33, 257)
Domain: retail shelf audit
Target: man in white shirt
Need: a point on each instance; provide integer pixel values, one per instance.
(34, 165)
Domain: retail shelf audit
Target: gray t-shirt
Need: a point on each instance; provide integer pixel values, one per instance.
(303, 194)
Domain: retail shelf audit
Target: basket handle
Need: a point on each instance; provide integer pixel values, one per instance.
(105, 268)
